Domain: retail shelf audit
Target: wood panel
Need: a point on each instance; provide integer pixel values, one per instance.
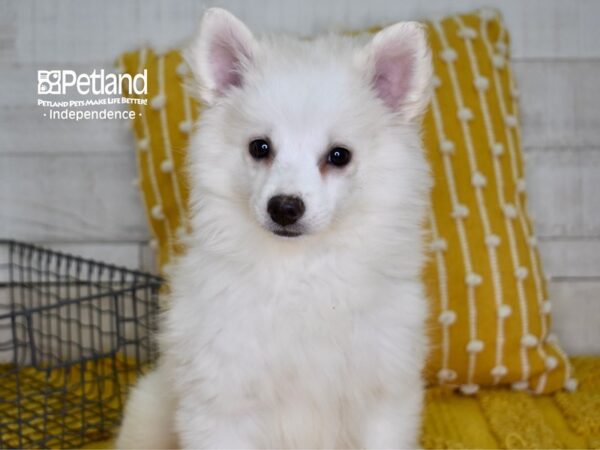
(73, 197)
(559, 103)
(566, 257)
(71, 31)
(563, 192)
(576, 310)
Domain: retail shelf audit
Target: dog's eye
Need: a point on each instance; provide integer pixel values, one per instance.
(260, 149)
(339, 156)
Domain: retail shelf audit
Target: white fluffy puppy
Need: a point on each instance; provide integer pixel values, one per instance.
(296, 318)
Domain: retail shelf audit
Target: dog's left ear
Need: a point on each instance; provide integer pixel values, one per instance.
(220, 53)
(398, 64)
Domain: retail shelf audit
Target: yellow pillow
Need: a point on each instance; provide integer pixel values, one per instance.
(162, 129)
(490, 316)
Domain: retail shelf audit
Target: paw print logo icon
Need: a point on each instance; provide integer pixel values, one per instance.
(49, 82)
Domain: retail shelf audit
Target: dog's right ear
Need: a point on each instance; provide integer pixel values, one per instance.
(220, 53)
(398, 63)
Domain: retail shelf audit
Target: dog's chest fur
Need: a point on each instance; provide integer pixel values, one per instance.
(295, 343)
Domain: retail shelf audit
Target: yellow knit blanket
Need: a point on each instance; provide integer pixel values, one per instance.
(501, 418)
(494, 418)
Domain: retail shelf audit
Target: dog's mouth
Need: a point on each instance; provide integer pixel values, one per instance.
(287, 233)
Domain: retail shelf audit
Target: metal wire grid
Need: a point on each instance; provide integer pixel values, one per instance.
(74, 334)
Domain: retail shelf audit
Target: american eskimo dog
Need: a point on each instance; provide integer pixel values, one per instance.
(296, 318)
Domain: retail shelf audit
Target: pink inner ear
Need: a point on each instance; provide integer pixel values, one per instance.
(225, 58)
(394, 67)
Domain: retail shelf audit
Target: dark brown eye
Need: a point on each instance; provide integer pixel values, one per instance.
(260, 148)
(339, 156)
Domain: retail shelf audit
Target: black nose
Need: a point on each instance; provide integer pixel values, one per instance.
(285, 209)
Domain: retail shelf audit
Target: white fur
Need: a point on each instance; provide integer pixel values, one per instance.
(154, 405)
(310, 342)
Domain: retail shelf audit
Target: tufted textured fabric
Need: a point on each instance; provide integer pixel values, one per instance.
(491, 312)
(504, 418)
(490, 317)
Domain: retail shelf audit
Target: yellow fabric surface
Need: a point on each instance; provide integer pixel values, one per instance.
(493, 418)
(490, 313)
(68, 405)
(502, 418)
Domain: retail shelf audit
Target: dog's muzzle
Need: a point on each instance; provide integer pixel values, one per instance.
(286, 210)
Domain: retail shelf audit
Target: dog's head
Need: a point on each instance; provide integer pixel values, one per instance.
(302, 137)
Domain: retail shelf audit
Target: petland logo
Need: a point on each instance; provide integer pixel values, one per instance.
(60, 82)
(102, 95)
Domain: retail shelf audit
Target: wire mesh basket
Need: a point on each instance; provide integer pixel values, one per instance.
(74, 335)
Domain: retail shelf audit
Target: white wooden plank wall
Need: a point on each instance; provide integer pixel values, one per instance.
(67, 184)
